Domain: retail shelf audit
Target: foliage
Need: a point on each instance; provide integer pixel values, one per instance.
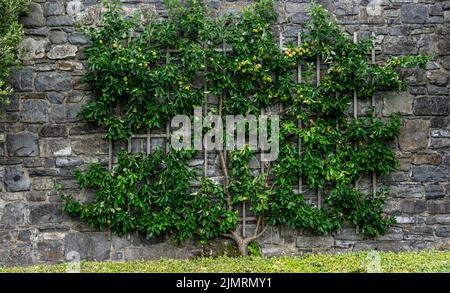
(140, 86)
(152, 195)
(391, 262)
(10, 36)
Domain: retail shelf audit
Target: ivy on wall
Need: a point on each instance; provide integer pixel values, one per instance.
(144, 76)
(10, 36)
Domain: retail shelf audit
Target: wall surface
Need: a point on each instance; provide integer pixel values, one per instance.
(42, 141)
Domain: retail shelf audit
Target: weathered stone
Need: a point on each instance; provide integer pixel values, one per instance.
(431, 106)
(414, 13)
(438, 207)
(54, 8)
(397, 102)
(443, 231)
(14, 213)
(14, 103)
(419, 232)
(24, 235)
(445, 62)
(65, 20)
(440, 122)
(53, 81)
(394, 234)
(437, 90)
(36, 196)
(34, 17)
(22, 144)
(90, 15)
(86, 128)
(438, 143)
(430, 173)
(36, 172)
(407, 190)
(51, 250)
(92, 145)
(446, 159)
(55, 147)
(62, 51)
(399, 45)
(90, 246)
(405, 220)
(39, 32)
(382, 246)
(16, 179)
(293, 7)
(68, 162)
(42, 183)
(434, 191)
(413, 206)
(429, 159)
(47, 213)
(69, 65)
(157, 251)
(414, 76)
(314, 241)
(77, 38)
(414, 135)
(441, 45)
(437, 77)
(74, 7)
(65, 113)
(299, 18)
(67, 184)
(34, 96)
(55, 98)
(34, 111)
(440, 133)
(58, 36)
(31, 49)
(53, 131)
(21, 79)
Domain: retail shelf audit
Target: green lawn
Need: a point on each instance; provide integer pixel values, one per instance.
(424, 261)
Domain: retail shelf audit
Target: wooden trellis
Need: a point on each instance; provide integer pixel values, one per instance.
(149, 135)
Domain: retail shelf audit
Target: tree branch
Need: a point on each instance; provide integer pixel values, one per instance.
(223, 164)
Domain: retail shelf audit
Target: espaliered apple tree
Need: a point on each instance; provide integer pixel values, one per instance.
(144, 75)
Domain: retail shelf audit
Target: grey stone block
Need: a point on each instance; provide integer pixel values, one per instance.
(53, 131)
(413, 206)
(14, 213)
(23, 144)
(90, 246)
(443, 231)
(78, 38)
(51, 251)
(16, 179)
(434, 191)
(62, 52)
(34, 111)
(414, 13)
(54, 8)
(57, 36)
(64, 20)
(314, 241)
(414, 135)
(34, 17)
(22, 79)
(47, 213)
(53, 81)
(430, 173)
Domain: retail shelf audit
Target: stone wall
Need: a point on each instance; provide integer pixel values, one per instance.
(42, 141)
